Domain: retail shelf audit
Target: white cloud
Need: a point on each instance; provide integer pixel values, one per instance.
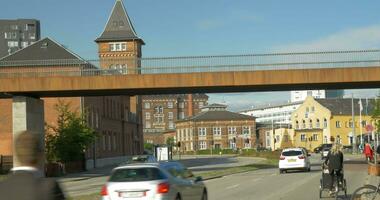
(350, 39)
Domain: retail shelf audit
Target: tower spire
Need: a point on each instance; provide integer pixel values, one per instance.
(119, 26)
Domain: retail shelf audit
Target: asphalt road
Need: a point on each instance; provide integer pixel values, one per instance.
(268, 184)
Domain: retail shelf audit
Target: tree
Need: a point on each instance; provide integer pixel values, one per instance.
(376, 114)
(170, 141)
(70, 138)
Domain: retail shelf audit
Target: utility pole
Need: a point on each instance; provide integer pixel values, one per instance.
(354, 147)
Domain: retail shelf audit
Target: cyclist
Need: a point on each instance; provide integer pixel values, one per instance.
(334, 162)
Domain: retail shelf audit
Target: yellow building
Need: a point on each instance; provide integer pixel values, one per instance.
(319, 121)
(283, 138)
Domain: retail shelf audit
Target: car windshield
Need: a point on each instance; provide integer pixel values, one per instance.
(136, 174)
(292, 153)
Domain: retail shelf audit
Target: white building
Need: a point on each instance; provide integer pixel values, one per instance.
(301, 95)
(276, 113)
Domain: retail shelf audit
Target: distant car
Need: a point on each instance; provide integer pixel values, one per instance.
(294, 159)
(153, 181)
(139, 159)
(325, 150)
(317, 149)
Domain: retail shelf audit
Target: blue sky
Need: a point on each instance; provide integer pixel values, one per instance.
(213, 27)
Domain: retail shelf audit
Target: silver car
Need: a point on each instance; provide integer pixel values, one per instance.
(153, 181)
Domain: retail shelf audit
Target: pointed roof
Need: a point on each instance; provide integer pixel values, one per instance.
(42, 52)
(119, 27)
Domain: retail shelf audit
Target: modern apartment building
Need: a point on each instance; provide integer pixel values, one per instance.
(300, 95)
(278, 113)
(161, 111)
(17, 34)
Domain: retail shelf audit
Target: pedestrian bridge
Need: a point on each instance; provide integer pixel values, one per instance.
(207, 74)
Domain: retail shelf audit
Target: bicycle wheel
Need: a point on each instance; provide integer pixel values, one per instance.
(367, 192)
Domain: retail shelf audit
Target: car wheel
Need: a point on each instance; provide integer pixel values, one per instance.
(309, 169)
(281, 171)
(178, 197)
(204, 195)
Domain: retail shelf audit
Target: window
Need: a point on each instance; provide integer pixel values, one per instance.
(337, 124)
(147, 115)
(12, 44)
(306, 115)
(159, 119)
(350, 124)
(324, 123)
(297, 125)
(201, 104)
(24, 44)
(232, 130)
(303, 124)
(146, 105)
(315, 137)
(307, 109)
(159, 110)
(312, 109)
(303, 137)
(32, 36)
(202, 145)
(310, 123)
(29, 27)
(217, 130)
(171, 125)
(246, 130)
(147, 125)
(202, 131)
(170, 104)
(118, 46)
(317, 124)
(232, 144)
(114, 141)
(181, 105)
(277, 138)
(170, 115)
(8, 35)
(181, 115)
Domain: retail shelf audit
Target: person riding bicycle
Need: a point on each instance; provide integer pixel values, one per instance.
(334, 162)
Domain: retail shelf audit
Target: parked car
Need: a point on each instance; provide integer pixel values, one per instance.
(325, 150)
(294, 159)
(317, 149)
(153, 181)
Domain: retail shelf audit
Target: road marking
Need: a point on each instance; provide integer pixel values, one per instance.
(232, 186)
(273, 175)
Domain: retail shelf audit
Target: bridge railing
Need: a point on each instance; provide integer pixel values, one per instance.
(191, 64)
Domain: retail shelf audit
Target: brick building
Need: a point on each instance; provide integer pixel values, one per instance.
(116, 118)
(216, 128)
(161, 111)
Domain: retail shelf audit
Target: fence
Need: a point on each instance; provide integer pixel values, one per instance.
(191, 64)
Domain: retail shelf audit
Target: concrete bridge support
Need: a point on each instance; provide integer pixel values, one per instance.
(28, 115)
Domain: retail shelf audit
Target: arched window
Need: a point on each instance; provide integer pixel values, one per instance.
(297, 125)
(324, 123)
(317, 124)
(303, 124)
(310, 123)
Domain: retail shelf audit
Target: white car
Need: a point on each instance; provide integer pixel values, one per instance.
(153, 181)
(294, 159)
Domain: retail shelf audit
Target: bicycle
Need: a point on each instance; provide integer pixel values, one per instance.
(339, 184)
(367, 192)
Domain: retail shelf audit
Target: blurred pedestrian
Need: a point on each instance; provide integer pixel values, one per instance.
(27, 182)
(368, 152)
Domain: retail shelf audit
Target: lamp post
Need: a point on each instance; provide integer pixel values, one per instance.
(354, 147)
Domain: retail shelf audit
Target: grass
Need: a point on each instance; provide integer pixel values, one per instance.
(2, 176)
(233, 170)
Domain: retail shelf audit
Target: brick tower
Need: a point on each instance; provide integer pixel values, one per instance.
(119, 50)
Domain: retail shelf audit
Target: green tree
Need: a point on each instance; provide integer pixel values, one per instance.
(376, 114)
(170, 141)
(70, 138)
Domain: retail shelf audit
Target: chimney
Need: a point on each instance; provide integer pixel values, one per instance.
(190, 104)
